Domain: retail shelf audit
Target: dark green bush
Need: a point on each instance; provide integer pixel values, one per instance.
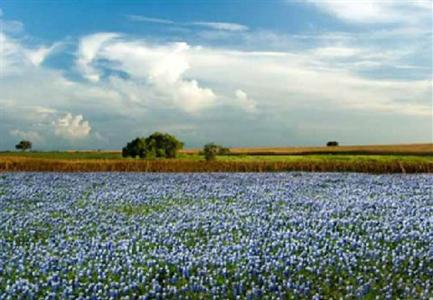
(332, 144)
(157, 145)
(211, 150)
(23, 145)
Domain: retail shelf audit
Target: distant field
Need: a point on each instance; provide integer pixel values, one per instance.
(414, 149)
(409, 149)
(371, 159)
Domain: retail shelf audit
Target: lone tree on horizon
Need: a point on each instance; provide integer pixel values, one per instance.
(23, 145)
(332, 144)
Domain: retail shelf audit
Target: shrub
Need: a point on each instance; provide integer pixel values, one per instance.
(223, 150)
(332, 144)
(23, 145)
(211, 150)
(161, 145)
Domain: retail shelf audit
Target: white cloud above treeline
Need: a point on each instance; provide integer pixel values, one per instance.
(72, 127)
(159, 68)
(171, 72)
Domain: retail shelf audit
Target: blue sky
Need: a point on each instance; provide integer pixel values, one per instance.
(95, 74)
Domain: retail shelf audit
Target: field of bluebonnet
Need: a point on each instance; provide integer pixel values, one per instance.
(221, 236)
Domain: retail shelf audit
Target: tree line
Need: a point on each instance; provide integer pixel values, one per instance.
(164, 145)
(160, 145)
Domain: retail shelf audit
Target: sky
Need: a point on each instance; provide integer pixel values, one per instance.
(96, 74)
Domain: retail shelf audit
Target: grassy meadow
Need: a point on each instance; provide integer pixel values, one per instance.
(372, 159)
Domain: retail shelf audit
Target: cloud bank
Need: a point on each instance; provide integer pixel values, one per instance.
(127, 85)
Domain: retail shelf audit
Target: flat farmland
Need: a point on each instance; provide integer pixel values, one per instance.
(417, 158)
(408, 149)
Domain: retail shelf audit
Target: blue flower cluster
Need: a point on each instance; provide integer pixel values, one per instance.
(215, 236)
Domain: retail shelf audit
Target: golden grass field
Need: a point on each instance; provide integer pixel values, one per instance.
(182, 165)
(417, 158)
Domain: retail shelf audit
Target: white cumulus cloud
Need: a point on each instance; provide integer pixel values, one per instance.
(245, 102)
(72, 127)
(158, 69)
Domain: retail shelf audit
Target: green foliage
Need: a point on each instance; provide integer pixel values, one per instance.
(211, 150)
(23, 145)
(157, 145)
(223, 150)
(163, 145)
(136, 147)
(332, 144)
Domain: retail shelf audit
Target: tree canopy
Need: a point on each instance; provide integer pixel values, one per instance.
(211, 150)
(157, 145)
(332, 144)
(23, 145)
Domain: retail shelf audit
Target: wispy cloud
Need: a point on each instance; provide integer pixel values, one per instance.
(136, 18)
(87, 50)
(37, 56)
(245, 102)
(30, 135)
(221, 26)
(374, 11)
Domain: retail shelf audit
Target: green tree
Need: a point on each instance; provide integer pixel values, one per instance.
(163, 145)
(332, 144)
(157, 145)
(210, 151)
(136, 147)
(23, 145)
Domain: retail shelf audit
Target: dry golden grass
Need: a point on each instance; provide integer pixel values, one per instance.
(408, 149)
(14, 163)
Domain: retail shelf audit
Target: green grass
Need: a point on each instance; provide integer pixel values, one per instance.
(79, 155)
(112, 161)
(64, 155)
(231, 158)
